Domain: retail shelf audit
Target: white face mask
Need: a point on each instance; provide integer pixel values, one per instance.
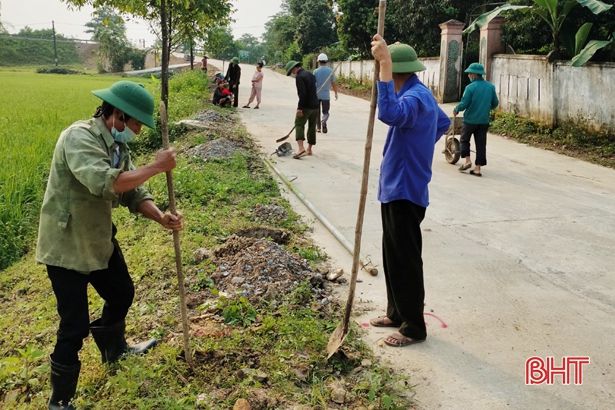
(293, 75)
(122, 136)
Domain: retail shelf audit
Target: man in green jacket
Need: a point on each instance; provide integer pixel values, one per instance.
(91, 173)
(479, 98)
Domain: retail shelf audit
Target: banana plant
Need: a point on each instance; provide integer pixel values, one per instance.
(554, 13)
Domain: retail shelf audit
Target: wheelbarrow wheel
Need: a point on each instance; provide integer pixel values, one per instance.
(452, 150)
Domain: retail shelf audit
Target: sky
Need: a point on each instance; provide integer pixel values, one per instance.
(250, 17)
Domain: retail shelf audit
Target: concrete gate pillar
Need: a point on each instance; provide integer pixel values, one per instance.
(491, 43)
(450, 61)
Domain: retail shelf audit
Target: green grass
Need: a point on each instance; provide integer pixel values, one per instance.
(216, 198)
(36, 108)
(571, 137)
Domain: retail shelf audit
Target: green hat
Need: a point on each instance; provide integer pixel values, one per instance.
(476, 68)
(290, 65)
(405, 59)
(132, 99)
(235, 60)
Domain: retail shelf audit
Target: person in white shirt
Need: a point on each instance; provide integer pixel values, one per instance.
(257, 86)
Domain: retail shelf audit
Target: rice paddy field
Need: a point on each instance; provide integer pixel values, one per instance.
(34, 109)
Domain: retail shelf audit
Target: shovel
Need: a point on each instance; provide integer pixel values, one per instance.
(339, 334)
(178, 255)
(286, 136)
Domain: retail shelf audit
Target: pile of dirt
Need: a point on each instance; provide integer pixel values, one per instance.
(217, 149)
(259, 268)
(209, 116)
(269, 213)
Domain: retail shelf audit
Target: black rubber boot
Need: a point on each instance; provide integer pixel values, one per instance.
(63, 385)
(112, 344)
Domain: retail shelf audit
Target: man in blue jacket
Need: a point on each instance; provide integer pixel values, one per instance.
(479, 98)
(416, 123)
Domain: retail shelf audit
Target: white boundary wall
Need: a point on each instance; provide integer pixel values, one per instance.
(364, 70)
(551, 93)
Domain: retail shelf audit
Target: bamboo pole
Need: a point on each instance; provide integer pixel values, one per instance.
(176, 244)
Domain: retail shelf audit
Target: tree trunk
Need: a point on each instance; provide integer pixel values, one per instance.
(166, 50)
(191, 55)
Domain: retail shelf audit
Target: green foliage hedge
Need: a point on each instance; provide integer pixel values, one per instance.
(56, 70)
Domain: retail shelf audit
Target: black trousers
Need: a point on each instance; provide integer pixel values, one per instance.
(235, 91)
(113, 284)
(480, 141)
(323, 107)
(402, 245)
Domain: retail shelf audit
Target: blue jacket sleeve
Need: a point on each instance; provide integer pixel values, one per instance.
(393, 111)
(444, 123)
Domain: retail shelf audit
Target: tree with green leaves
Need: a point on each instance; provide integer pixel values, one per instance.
(417, 22)
(170, 20)
(316, 26)
(2, 29)
(109, 29)
(220, 43)
(357, 22)
(45, 33)
(251, 44)
(278, 37)
(555, 13)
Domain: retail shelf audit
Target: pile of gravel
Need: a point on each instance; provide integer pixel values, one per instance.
(258, 268)
(269, 212)
(220, 148)
(209, 116)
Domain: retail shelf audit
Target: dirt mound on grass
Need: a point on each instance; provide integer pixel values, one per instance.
(269, 212)
(220, 148)
(259, 268)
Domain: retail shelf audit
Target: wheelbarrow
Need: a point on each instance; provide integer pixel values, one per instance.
(452, 149)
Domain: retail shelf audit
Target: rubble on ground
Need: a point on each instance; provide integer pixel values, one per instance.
(263, 269)
(209, 116)
(203, 120)
(269, 212)
(217, 149)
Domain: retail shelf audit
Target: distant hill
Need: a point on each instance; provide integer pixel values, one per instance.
(15, 51)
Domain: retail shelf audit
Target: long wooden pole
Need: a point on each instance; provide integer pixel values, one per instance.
(338, 336)
(178, 255)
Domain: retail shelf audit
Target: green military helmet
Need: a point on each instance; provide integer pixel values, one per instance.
(235, 60)
(132, 99)
(476, 68)
(290, 65)
(404, 59)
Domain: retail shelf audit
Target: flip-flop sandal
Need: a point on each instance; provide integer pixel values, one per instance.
(256, 108)
(401, 340)
(465, 167)
(246, 106)
(379, 322)
(299, 155)
(308, 153)
(478, 174)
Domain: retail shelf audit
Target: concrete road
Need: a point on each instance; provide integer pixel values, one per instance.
(518, 263)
